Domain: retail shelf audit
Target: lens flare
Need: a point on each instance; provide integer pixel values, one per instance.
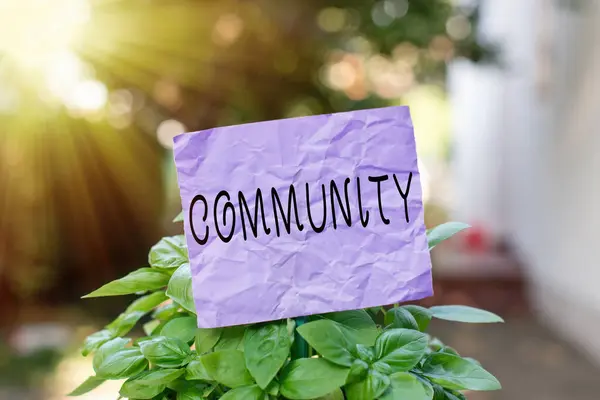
(37, 38)
(33, 31)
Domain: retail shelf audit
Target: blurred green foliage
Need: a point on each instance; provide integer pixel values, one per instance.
(237, 61)
(18, 371)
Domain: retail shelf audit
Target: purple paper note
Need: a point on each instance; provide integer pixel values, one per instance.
(303, 216)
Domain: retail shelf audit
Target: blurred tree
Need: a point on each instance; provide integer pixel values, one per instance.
(83, 119)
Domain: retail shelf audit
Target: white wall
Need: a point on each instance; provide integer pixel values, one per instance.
(493, 113)
(543, 174)
(567, 268)
(474, 94)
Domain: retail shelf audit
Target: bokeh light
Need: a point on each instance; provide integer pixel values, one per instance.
(333, 19)
(458, 27)
(167, 130)
(228, 29)
(88, 95)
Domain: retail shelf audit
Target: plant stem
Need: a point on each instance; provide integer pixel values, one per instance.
(300, 347)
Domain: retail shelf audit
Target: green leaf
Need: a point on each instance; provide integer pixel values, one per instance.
(374, 311)
(446, 394)
(438, 392)
(166, 311)
(357, 325)
(196, 370)
(95, 340)
(180, 384)
(136, 342)
(273, 388)
(180, 288)
(401, 318)
(183, 328)
(291, 329)
(327, 338)
(372, 387)
(227, 367)
(436, 344)
(121, 364)
(169, 252)
(449, 350)
(382, 367)
(179, 217)
(108, 348)
(151, 327)
(337, 394)
(427, 385)
(232, 338)
(141, 280)
(166, 352)
(149, 383)
(421, 314)
(401, 349)
(191, 393)
(245, 393)
(88, 385)
(465, 314)
(125, 322)
(444, 231)
(454, 372)
(209, 390)
(147, 303)
(365, 353)
(472, 360)
(452, 395)
(207, 338)
(266, 348)
(309, 378)
(407, 386)
(358, 371)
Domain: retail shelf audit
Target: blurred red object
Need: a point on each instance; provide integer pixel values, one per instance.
(476, 240)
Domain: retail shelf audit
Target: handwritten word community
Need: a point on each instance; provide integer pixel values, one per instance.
(223, 202)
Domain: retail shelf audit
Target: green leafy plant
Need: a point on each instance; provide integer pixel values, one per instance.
(350, 355)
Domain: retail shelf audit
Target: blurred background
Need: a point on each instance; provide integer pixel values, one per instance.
(502, 93)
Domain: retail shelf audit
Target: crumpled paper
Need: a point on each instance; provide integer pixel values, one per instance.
(269, 277)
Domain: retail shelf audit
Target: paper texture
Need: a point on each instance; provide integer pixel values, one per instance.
(243, 275)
